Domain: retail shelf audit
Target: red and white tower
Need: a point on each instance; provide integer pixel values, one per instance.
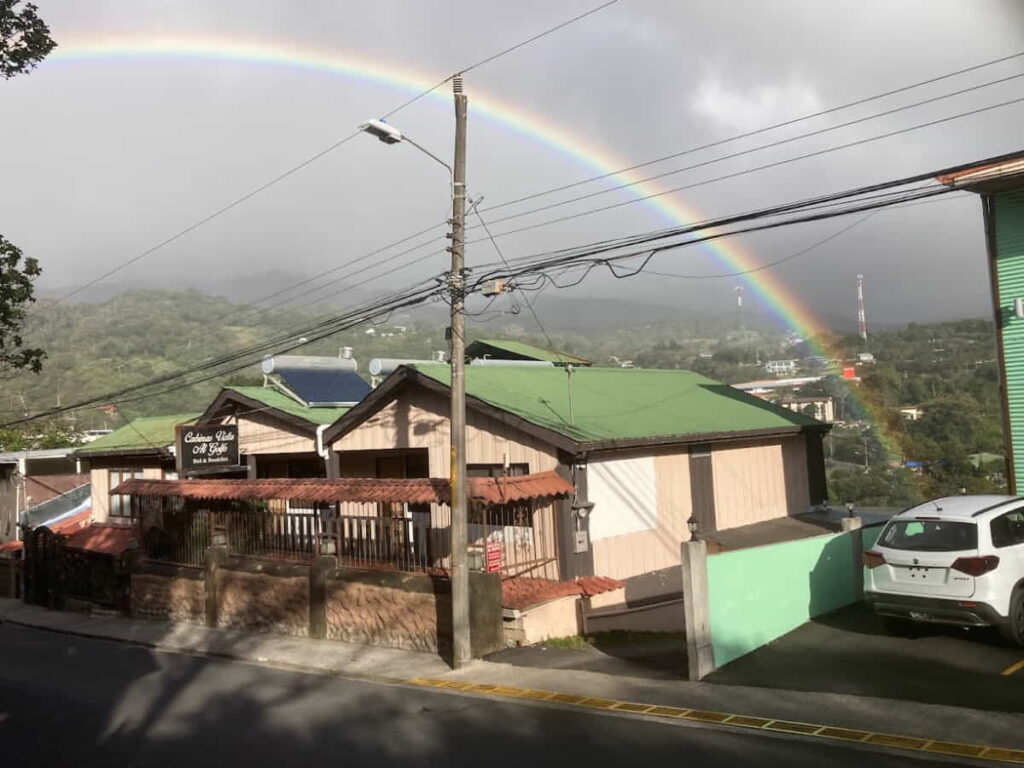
(862, 322)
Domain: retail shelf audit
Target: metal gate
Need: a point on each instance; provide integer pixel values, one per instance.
(43, 568)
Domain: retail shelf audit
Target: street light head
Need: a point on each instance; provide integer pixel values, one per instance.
(382, 130)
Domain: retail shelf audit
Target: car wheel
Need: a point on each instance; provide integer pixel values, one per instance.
(1013, 629)
(898, 627)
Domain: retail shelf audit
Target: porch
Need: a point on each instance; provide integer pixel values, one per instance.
(399, 524)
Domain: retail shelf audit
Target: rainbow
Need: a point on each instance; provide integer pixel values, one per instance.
(773, 293)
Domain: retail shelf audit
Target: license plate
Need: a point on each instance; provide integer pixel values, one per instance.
(920, 616)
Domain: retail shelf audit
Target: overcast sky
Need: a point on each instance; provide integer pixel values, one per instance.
(103, 157)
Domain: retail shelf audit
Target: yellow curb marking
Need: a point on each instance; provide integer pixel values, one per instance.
(1013, 668)
(913, 743)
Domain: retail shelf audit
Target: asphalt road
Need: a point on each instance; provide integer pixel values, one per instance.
(75, 702)
(850, 652)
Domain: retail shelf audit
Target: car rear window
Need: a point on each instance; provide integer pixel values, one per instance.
(930, 535)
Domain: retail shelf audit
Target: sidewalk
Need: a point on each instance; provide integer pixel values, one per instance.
(886, 716)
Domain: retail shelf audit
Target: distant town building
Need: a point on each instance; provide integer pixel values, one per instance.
(865, 357)
(821, 407)
(911, 412)
(781, 367)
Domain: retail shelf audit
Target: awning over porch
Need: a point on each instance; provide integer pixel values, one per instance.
(427, 490)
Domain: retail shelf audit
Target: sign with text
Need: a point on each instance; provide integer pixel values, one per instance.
(207, 447)
(493, 557)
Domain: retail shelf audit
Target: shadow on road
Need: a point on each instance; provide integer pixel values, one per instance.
(849, 652)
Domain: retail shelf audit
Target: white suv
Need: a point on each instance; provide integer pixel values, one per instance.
(957, 560)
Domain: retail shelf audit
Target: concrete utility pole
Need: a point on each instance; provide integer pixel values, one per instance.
(461, 646)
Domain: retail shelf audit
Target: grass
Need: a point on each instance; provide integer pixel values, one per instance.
(614, 637)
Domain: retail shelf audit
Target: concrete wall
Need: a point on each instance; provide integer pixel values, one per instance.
(756, 595)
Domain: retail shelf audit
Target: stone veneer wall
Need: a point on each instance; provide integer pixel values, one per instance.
(392, 610)
(167, 592)
(264, 597)
(409, 610)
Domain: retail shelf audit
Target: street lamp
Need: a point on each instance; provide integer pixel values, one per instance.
(387, 133)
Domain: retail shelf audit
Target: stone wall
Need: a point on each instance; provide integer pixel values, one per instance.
(409, 610)
(392, 610)
(263, 597)
(167, 592)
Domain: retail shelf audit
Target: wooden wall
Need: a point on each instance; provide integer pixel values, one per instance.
(260, 433)
(753, 481)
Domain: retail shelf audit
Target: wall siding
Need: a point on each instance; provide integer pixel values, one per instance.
(259, 433)
(1008, 211)
(756, 481)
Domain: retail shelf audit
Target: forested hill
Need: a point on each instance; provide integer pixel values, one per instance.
(948, 369)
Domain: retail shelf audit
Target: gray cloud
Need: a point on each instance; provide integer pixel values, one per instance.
(104, 157)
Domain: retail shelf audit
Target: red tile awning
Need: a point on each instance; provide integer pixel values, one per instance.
(102, 539)
(520, 592)
(427, 490)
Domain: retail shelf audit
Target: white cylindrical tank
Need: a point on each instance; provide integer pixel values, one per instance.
(385, 366)
(488, 361)
(307, 362)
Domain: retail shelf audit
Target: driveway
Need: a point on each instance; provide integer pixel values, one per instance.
(848, 652)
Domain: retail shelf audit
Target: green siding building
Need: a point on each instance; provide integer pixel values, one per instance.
(1000, 182)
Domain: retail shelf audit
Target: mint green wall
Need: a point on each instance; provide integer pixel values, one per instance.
(756, 595)
(1008, 219)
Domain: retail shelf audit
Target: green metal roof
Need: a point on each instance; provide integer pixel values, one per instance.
(528, 351)
(144, 433)
(282, 402)
(620, 403)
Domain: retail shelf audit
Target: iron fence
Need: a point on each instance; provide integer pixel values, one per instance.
(516, 541)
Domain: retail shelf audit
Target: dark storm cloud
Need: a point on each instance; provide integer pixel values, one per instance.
(103, 158)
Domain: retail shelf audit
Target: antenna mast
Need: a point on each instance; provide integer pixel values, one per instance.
(862, 323)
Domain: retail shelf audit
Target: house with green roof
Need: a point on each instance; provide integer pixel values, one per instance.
(144, 447)
(652, 454)
(508, 349)
(277, 437)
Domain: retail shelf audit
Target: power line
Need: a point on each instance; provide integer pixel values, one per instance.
(538, 36)
(759, 148)
(591, 257)
(526, 299)
(312, 159)
(737, 174)
(765, 129)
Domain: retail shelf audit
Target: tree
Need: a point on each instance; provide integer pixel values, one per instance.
(24, 42)
(16, 277)
(24, 38)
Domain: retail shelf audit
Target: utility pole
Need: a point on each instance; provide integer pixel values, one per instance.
(461, 647)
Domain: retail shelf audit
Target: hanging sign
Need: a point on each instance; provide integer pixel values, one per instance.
(207, 447)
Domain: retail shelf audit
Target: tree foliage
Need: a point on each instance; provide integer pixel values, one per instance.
(17, 274)
(24, 38)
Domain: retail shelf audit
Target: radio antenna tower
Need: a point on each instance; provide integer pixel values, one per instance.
(862, 323)
(739, 306)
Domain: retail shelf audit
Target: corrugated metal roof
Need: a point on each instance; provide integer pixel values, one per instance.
(147, 433)
(102, 539)
(519, 592)
(427, 490)
(620, 403)
(281, 402)
(517, 350)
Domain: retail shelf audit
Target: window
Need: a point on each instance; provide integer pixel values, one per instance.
(930, 535)
(1008, 530)
(517, 514)
(120, 506)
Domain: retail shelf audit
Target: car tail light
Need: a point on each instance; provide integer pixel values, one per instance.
(975, 566)
(872, 559)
